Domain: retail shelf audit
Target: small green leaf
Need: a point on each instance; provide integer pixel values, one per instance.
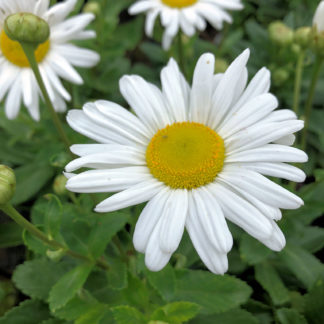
(269, 279)
(231, 317)
(117, 274)
(35, 278)
(106, 227)
(290, 316)
(163, 281)
(177, 312)
(213, 293)
(28, 312)
(10, 235)
(67, 287)
(252, 251)
(127, 315)
(33, 243)
(93, 316)
(302, 264)
(314, 303)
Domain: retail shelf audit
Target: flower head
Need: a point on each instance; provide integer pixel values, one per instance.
(318, 19)
(187, 15)
(7, 184)
(56, 56)
(198, 155)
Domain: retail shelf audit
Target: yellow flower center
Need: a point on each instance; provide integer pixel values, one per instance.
(185, 155)
(14, 53)
(179, 3)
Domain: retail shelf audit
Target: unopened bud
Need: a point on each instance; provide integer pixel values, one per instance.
(280, 76)
(59, 185)
(27, 28)
(303, 36)
(317, 42)
(92, 7)
(280, 33)
(7, 184)
(221, 65)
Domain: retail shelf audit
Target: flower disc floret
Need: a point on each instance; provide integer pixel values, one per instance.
(185, 155)
(179, 3)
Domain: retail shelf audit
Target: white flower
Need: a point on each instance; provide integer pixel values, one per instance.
(188, 15)
(318, 20)
(197, 154)
(56, 57)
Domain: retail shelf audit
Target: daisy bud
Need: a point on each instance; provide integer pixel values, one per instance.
(280, 76)
(7, 184)
(303, 36)
(280, 33)
(92, 7)
(26, 28)
(318, 20)
(59, 185)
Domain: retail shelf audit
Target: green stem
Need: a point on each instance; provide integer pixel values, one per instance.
(310, 98)
(180, 54)
(29, 50)
(24, 223)
(298, 79)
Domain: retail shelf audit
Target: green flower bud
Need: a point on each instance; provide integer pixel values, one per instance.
(280, 76)
(303, 36)
(27, 28)
(59, 185)
(92, 7)
(221, 65)
(7, 184)
(317, 42)
(280, 33)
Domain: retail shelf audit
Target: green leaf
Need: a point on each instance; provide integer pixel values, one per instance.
(35, 278)
(28, 312)
(269, 279)
(213, 293)
(33, 243)
(290, 316)
(163, 281)
(252, 251)
(177, 312)
(127, 315)
(106, 227)
(314, 304)
(117, 274)
(93, 316)
(67, 287)
(231, 317)
(30, 179)
(302, 264)
(10, 235)
(53, 321)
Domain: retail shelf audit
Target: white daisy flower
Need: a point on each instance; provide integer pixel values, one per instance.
(187, 15)
(318, 19)
(56, 57)
(197, 154)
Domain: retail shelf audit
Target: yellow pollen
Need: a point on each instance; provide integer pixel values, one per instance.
(14, 53)
(185, 155)
(179, 3)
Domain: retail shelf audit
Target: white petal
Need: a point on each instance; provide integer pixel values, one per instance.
(13, 100)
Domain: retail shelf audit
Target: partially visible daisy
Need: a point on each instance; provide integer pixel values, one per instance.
(318, 19)
(187, 15)
(198, 155)
(56, 57)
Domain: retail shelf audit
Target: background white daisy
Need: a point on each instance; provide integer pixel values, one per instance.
(57, 57)
(187, 15)
(217, 112)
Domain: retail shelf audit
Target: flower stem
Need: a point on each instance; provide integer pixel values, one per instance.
(181, 54)
(29, 50)
(298, 79)
(310, 98)
(24, 223)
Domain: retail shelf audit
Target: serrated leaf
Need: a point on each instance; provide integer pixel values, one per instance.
(269, 279)
(177, 312)
(252, 251)
(33, 243)
(35, 278)
(163, 281)
(28, 312)
(290, 316)
(302, 264)
(67, 287)
(127, 315)
(314, 304)
(234, 316)
(213, 293)
(93, 316)
(106, 227)
(10, 235)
